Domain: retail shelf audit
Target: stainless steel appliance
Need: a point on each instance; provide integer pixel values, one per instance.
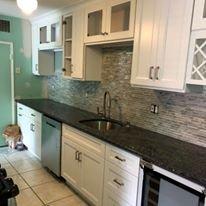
(51, 145)
(160, 190)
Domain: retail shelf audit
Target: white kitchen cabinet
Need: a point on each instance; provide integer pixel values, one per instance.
(71, 169)
(110, 199)
(29, 121)
(197, 58)
(199, 18)
(161, 44)
(92, 166)
(82, 166)
(50, 33)
(121, 177)
(80, 62)
(42, 61)
(110, 20)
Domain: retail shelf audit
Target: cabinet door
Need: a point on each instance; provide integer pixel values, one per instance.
(171, 63)
(161, 47)
(197, 59)
(50, 33)
(120, 19)
(35, 43)
(92, 170)
(145, 43)
(70, 168)
(199, 19)
(110, 199)
(95, 22)
(78, 45)
(36, 140)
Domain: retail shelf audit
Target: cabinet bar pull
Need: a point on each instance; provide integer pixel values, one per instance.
(118, 183)
(20, 108)
(150, 72)
(157, 73)
(80, 157)
(76, 155)
(33, 115)
(20, 115)
(120, 159)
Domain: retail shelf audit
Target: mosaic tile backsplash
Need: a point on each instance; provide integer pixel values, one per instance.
(182, 116)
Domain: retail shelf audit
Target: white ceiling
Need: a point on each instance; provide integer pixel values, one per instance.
(9, 7)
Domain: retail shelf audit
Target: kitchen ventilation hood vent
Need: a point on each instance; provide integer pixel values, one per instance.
(4, 26)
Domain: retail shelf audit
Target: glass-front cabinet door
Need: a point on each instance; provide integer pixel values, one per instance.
(50, 34)
(199, 20)
(95, 22)
(197, 59)
(120, 18)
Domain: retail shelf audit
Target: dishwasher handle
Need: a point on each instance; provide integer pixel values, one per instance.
(50, 124)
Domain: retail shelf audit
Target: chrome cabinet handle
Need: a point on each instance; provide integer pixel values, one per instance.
(118, 183)
(157, 72)
(76, 155)
(80, 157)
(32, 127)
(36, 67)
(33, 115)
(150, 72)
(120, 159)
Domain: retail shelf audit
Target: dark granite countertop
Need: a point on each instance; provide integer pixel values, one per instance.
(182, 158)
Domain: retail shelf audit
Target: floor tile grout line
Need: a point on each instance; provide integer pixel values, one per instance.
(20, 174)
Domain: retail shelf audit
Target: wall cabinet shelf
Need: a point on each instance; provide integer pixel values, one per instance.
(161, 46)
(110, 20)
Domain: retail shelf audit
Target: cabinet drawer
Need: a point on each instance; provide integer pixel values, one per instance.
(88, 142)
(113, 200)
(123, 159)
(21, 109)
(121, 183)
(34, 115)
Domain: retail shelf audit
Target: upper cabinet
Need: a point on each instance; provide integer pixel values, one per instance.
(197, 59)
(110, 20)
(46, 37)
(161, 44)
(199, 19)
(79, 61)
(42, 60)
(50, 33)
(197, 53)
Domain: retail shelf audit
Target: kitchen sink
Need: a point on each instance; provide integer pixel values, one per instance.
(102, 124)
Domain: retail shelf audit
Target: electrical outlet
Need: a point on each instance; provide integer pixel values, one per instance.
(18, 70)
(154, 109)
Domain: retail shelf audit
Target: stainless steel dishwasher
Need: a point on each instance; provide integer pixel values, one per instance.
(51, 145)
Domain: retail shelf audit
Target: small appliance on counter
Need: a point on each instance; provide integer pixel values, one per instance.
(8, 190)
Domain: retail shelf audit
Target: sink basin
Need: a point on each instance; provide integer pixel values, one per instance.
(102, 124)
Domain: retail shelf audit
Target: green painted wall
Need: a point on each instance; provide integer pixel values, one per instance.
(26, 84)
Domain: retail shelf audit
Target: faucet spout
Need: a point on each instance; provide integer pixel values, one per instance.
(107, 104)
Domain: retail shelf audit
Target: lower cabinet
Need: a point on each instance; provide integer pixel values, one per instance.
(103, 174)
(29, 121)
(110, 199)
(83, 169)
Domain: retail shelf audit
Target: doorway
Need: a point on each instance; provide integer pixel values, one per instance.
(6, 87)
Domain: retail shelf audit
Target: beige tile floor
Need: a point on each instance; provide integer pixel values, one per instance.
(37, 186)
